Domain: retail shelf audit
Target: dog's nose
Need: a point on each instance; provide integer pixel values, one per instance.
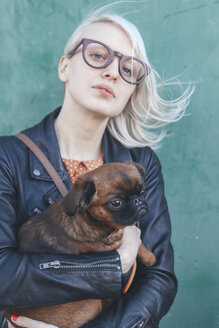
(138, 201)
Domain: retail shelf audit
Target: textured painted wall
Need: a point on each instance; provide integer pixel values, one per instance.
(181, 36)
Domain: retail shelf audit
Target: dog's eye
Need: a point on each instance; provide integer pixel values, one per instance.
(116, 203)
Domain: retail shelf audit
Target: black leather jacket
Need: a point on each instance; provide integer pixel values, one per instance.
(26, 188)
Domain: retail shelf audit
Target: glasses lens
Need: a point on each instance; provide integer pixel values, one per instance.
(132, 70)
(96, 55)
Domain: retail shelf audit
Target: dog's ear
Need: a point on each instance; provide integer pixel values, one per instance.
(79, 196)
(140, 168)
(87, 195)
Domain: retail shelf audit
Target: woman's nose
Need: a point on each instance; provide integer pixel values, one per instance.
(112, 70)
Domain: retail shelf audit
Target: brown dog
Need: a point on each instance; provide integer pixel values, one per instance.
(90, 218)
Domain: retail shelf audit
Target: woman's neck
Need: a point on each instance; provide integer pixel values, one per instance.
(79, 134)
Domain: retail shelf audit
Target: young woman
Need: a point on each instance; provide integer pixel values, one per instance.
(111, 104)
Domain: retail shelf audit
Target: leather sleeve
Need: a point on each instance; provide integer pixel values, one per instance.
(84, 276)
(3, 321)
(153, 290)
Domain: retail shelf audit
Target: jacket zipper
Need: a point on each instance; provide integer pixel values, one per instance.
(138, 324)
(56, 264)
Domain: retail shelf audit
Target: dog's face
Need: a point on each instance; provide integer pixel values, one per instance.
(112, 194)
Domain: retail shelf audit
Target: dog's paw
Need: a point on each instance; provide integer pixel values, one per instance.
(146, 256)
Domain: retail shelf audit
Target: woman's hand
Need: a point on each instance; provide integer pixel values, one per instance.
(29, 323)
(129, 248)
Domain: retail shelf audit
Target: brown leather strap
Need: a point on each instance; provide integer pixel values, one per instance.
(131, 277)
(45, 162)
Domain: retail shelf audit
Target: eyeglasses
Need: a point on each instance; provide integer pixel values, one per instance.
(98, 55)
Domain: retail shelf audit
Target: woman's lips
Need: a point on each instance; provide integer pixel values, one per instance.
(105, 90)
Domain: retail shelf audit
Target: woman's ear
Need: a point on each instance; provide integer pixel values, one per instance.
(63, 68)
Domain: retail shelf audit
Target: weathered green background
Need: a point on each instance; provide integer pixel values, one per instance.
(181, 36)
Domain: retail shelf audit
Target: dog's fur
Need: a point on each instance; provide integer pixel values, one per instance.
(90, 218)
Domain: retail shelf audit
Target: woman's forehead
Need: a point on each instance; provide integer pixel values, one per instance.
(111, 34)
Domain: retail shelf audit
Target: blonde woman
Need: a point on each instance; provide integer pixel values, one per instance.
(110, 113)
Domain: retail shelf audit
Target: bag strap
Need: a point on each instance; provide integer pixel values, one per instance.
(45, 162)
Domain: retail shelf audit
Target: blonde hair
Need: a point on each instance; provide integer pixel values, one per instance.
(146, 112)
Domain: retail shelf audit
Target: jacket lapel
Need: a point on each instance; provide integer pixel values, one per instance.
(43, 134)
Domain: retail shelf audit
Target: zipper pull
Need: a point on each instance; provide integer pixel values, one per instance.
(54, 265)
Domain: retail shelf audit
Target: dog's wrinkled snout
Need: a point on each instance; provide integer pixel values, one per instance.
(139, 205)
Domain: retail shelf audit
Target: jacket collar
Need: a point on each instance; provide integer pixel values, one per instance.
(113, 150)
(43, 134)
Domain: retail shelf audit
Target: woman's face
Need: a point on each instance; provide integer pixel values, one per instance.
(101, 91)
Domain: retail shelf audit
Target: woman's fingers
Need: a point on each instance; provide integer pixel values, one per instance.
(29, 323)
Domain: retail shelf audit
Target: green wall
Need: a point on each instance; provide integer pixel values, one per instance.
(181, 36)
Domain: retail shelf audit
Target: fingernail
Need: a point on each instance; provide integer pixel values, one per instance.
(14, 317)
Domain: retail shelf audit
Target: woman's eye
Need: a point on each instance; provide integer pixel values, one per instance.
(116, 203)
(127, 71)
(97, 56)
